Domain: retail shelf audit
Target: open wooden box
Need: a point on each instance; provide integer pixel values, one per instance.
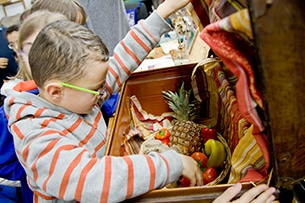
(281, 78)
(147, 86)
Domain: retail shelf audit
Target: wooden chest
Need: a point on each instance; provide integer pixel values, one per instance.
(278, 28)
(147, 86)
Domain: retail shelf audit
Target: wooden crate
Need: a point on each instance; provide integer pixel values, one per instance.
(147, 86)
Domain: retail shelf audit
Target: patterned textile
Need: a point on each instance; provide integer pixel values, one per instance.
(143, 126)
(234, 124)
(209, 11)
(201, 9)
(231, 40)
(219, 9)
(248, 162)
(150, 122)
(238, 55)
(247, 157)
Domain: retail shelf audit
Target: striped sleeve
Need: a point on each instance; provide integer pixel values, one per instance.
(133, 49)
(59, 168)
(61, 157)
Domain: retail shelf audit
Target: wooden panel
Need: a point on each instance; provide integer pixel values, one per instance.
(203, 194)
(279, 30)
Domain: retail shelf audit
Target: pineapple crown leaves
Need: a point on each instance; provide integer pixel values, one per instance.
(180, 103)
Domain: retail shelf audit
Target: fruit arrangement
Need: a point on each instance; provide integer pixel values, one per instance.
(192, 139)
(210, 160)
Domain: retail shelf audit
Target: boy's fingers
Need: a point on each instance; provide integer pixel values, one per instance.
(266, 196)
(229, 194)
(255, 191)
(199, 178)
(196, 178)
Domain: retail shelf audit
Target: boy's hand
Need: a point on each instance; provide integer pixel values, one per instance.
(170, 6)
(259, 194)
(191, 170)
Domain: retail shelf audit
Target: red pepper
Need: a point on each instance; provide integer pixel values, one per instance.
(208, 133)
(163, 133)
(165, 141)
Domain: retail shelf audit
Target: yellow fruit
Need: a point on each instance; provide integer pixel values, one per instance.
(216, 152)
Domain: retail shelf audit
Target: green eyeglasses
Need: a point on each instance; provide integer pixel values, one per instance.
(99, 93)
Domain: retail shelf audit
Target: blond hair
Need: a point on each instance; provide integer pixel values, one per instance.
(70, 8)
(34, 23)
(68, 49)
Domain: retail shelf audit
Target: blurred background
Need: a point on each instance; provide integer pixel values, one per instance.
(15, 8)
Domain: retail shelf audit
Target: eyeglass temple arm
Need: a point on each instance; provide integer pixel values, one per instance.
(79, 88)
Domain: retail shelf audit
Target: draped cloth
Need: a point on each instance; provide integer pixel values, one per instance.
(209, 11)
(231, 40)
(143, 126)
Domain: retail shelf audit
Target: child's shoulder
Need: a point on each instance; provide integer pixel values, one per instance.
(9, 84)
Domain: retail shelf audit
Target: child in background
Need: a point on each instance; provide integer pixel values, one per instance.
(8, 64)
(27, 34)
(10, 168)
(70, 8)
(76, 13)
(63, 148)
(12, 34)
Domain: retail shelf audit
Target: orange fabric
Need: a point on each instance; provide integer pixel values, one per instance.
(25, 86)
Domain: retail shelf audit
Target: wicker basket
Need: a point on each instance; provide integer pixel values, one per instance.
(227, 163)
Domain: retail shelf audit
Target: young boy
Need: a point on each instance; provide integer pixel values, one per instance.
(60, 136)
(10, 168)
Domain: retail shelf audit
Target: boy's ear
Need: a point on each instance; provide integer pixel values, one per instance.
(54, 91)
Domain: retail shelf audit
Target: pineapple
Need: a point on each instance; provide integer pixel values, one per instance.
(185, 134)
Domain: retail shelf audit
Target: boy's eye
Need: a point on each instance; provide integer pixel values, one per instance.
(100, 88)
(103, 86)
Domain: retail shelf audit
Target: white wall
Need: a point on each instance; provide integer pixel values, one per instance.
(15, 8)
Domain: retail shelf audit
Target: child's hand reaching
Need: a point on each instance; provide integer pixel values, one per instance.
(259, 194)
(191, 170)
(170, 6)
